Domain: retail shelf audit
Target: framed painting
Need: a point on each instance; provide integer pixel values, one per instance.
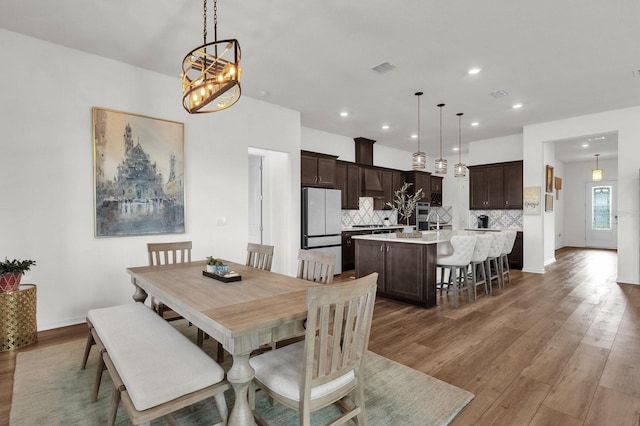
(138, 174)
(548, 204)
(549, 179)
(531, 199)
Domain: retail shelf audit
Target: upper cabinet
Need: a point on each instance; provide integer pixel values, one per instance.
(317, 169)
(495, 186)
(348, 181)
(392, 181)
(420, 180)
(436, 190)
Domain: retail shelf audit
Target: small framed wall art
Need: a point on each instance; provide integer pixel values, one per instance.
(549, 179)
(531, 199)
(548, 203)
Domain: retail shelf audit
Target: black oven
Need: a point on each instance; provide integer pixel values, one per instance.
(422, 216)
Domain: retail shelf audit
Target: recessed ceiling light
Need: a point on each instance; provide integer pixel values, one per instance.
(414, 136)
(475, 70)
(344, 114)
(585, 145)
(599, 138)
(475, 123)
(516, 106)
(385, 127)
(455, 148)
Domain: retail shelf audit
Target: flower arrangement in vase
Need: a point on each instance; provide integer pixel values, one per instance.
(11, 272)
(404, 203)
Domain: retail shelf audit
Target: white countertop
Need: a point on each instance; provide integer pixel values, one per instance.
(375, 228)
(428, 237)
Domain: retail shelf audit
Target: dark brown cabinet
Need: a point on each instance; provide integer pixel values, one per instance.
(495, 186)
(419, 180)
(436, 190)
(512, 175)
(392, 181)
(317, 169)
(349, 249)
(348, 181)
(406, 271)
(516, 255)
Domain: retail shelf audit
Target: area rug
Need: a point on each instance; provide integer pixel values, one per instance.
(50, 389)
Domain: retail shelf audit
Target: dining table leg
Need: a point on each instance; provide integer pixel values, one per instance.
(240, 376)
(140, 295)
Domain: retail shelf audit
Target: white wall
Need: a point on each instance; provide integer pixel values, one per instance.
(46, 170)
(576, 176)
(549, 152)
(559, 206)
(496, 150)
(627, 123)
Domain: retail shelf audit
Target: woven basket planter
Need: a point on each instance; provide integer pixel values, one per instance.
(10, 281)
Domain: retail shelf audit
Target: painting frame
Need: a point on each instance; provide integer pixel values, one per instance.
(138, 174)
(531, 200)
(548, 204)
(549, 179)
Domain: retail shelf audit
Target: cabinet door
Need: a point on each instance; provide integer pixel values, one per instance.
(404, 271)
(326, 172)
(516, 255)
(353, 187)
(308, 170)
(341, 184)
(477, 189)
(423, 181)
(436, 190)
(512, 176)
(495, 187)
(370, 258)
(387, 187)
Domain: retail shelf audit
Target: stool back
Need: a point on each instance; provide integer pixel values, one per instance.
(496, 244)
(509, 241)
(463, 246)
(481, 250)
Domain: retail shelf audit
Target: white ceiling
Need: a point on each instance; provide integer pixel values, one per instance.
(558, 58)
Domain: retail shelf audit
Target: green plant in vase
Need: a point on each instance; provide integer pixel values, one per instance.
(11, 272)
(404, 203)
(216, 266)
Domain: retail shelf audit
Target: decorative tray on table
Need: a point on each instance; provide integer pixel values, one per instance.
(229, 277)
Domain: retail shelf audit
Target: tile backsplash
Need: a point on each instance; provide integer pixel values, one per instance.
(366, 215)
(498, 219)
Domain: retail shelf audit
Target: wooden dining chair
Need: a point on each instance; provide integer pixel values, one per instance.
(328, 365)
(169, 254)
(259, 256)
(316, 266)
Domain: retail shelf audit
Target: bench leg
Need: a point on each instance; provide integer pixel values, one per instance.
(221, 403)
(96, 385)
(87, 349)
(115, 401)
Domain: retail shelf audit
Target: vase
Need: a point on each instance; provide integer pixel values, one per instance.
(10, 281)
(211, 269)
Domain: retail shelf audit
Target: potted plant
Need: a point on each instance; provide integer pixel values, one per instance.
(404, 203)
(216, 266)
(11, 272)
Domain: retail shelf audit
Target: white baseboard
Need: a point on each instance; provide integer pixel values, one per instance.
(533, 271)
(550, 261)
(62, 323)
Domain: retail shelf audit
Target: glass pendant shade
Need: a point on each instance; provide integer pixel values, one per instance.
(460, 169)
(419, 158)
(596, 174)
(441, 163)
(211, 73)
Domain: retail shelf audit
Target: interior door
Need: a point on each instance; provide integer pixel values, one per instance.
(601, 214)
(255, 199)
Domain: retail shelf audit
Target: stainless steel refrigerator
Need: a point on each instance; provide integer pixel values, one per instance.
(322, 222)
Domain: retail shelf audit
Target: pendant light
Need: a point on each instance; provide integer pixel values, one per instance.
(211, 72)
(419, 158)
(460, 169)
(596, 174)
(441, 163)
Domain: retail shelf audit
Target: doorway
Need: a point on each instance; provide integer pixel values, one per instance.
(256, 199)
(601, 217)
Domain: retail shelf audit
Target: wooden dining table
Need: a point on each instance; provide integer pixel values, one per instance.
(262, 307)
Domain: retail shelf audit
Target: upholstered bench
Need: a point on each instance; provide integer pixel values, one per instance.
(155, 369)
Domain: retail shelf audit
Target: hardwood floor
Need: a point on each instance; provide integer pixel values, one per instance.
(561, 348)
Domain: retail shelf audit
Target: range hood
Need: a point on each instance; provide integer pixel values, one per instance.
(371, 179)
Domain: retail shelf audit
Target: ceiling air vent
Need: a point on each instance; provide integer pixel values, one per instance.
(383, 68)
(499, 94)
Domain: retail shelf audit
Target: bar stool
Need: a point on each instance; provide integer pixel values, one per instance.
(457, 264)
(509, 241)
(478, 260)
(495, 251)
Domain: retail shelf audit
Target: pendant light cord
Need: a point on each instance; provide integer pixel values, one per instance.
(459, 137)
(440, 106)
(419, 121)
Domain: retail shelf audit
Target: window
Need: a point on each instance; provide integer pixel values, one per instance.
(601, 208)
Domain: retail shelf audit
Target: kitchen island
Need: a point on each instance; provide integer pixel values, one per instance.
(406, 267)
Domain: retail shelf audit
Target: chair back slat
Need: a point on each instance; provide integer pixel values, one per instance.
(338, 328)
(316, 266)
(169, 253)
(259, 256)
